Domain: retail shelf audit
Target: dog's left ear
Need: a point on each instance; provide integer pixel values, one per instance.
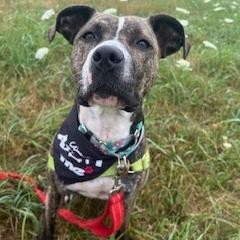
(69, 21)
(170, 35)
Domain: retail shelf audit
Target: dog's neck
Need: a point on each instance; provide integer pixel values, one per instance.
(106, 123)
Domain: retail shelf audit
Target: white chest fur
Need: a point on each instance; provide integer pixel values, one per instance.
(108, 124)
(96, 188)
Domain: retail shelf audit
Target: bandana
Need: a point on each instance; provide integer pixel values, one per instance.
(76, 158)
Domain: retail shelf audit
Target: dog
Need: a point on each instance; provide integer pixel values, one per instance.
(114, 62)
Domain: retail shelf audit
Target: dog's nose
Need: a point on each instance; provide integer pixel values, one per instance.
(106, 58)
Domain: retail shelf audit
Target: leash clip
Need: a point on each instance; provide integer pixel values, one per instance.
(117, 187)
(123, 166)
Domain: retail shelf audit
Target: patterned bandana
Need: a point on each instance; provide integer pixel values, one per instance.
(78, 158)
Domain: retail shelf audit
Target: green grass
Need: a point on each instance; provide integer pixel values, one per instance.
(194, 186)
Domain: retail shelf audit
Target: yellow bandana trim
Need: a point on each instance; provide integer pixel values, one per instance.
(138, 166)
(50, 163)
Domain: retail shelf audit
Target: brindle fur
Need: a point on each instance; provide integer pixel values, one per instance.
(169, 39)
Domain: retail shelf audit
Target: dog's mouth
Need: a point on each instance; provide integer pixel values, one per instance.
(107, 101)
(118, 96)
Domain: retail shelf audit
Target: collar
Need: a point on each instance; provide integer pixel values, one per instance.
(121, 148)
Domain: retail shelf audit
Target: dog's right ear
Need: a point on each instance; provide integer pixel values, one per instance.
(69, 21)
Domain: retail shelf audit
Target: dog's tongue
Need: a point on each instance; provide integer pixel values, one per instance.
(109, 101)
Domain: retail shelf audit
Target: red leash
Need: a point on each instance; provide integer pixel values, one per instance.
(114, 210)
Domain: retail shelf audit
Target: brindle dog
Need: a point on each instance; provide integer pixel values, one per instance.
(114, 62)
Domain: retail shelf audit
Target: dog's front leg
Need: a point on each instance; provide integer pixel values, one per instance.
(129, 202)
(51, 206)
(132, 183)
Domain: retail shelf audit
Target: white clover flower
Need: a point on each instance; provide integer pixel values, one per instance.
(225, 138)
(123, 0)
(49, 13)
(217, 9)
(227, 145)
(41, 53)
(233, 7)
(112, 11)
(184, 65)
(235, 3)
(206, 1)
(209, 45)
(182, 10)
(184, 22)
(205, 18)
(216, 4)
(228, 20)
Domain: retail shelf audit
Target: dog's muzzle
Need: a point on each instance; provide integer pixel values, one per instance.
(112, 77)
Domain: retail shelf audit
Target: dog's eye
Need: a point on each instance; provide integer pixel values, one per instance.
(143, 44)
(88, 36)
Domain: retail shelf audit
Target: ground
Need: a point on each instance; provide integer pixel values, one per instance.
(192, 121)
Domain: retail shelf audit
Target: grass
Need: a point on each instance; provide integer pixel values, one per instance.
(194, 186)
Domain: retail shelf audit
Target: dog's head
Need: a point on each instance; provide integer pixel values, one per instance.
(115, 59)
